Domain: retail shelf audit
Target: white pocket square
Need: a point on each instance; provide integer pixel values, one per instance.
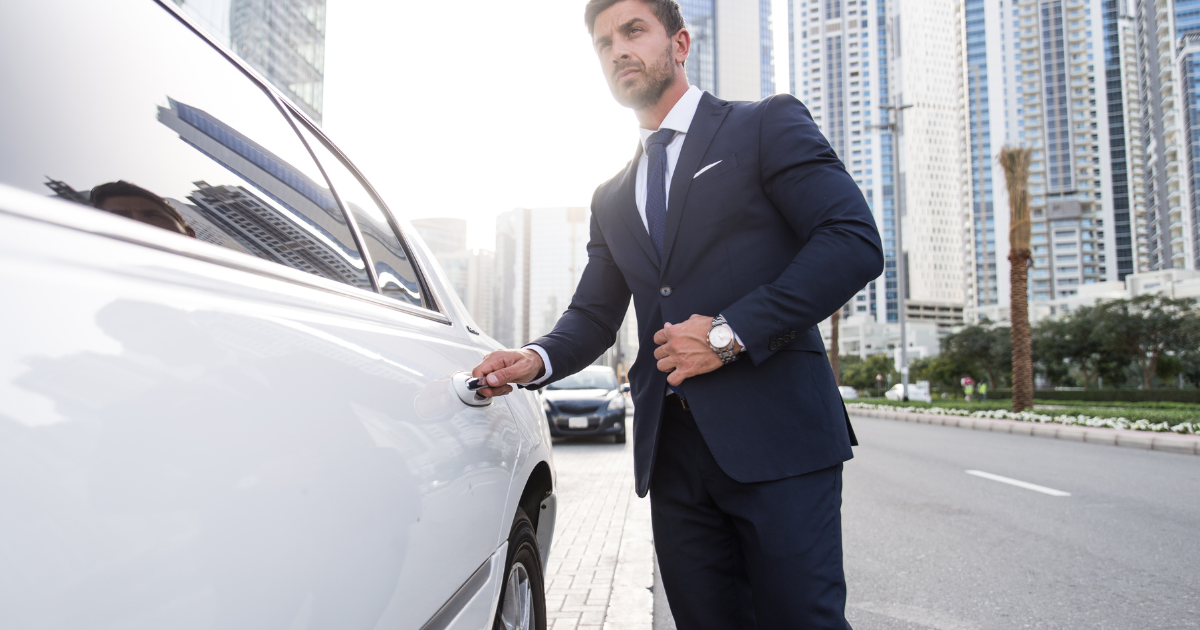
(706, 168)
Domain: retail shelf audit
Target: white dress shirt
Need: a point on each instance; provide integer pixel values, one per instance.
(680, 119)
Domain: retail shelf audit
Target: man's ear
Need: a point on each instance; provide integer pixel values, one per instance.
(682, 42)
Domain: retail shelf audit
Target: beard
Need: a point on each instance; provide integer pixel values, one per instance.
(654, 82)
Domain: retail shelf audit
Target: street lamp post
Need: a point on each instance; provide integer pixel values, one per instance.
(893, 126)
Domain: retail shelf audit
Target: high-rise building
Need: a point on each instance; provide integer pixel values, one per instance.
(540, 257)
(284, 40)
(1168, 67)
(849, 65)
(470, 272)
(1053, 76)
(732, 50)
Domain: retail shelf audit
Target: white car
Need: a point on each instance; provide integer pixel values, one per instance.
(228, 389)
(914, 393)
(847, 392)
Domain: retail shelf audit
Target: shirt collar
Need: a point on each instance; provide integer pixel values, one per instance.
(680, 117)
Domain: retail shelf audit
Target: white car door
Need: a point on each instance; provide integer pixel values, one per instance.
(232, 431)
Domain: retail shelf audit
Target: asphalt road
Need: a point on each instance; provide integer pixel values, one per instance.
(930, 546)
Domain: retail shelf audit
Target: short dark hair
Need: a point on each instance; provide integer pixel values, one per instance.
(122, 188)
(667, 12)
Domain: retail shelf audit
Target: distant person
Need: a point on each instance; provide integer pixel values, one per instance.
(134, 202)
(982, 392)
(736, 229)
(969, 389)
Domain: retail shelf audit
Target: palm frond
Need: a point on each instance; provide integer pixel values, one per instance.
(1015, 163)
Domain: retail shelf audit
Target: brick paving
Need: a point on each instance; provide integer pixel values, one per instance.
(595, 491)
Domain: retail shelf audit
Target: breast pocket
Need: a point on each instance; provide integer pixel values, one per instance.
(713, 170)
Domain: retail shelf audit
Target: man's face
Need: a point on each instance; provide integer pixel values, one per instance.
(636, 54)
(145, 211)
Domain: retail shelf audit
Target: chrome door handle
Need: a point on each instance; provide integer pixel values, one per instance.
(467, 389)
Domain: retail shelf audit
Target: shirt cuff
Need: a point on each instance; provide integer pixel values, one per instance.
(545, 362)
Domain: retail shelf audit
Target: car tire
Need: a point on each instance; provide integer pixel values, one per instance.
(619, 438)
(522, 603)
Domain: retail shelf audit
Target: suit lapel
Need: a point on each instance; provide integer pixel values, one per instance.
(710, 113)
(627, 208)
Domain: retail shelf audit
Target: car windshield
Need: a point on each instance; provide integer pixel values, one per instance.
(587, 380)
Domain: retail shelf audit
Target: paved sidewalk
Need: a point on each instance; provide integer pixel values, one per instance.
(601, 564)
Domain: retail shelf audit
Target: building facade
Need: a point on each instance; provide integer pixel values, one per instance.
(470, 272)
(284, 40)
(852, 63)
(1058, 77)
(1168, 66)
(732, 50)
(540, 257)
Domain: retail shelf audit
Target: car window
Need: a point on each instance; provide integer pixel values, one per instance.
(396, 274)
(121, 107)
(587, 380)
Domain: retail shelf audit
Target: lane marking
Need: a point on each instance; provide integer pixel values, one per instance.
(1020, 484)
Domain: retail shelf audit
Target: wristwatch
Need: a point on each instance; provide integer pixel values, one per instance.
(720, 339)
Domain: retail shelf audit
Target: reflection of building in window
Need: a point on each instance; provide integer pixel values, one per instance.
(379, 239)
(308, 208)
(63, 190)
(268, 233)
(205, 229)
(284, 40)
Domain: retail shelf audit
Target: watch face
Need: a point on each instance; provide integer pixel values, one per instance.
(720, 336)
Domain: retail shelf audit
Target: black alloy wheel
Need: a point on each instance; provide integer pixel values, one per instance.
(523, 597)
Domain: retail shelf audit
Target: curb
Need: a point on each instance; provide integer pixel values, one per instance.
(1168, 442)
(631, 605)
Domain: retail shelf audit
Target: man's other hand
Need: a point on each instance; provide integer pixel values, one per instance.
(683, 350)
(502, 367)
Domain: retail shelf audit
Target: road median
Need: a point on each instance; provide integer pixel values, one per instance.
(1158, 441)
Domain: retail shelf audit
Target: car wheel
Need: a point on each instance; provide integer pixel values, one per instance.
(523, 597)
(619, 438)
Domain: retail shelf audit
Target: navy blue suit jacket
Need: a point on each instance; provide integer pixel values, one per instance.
(776, 237)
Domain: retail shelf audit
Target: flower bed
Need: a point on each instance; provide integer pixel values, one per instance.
(1190, 428)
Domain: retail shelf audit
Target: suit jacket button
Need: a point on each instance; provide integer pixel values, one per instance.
(665, 291)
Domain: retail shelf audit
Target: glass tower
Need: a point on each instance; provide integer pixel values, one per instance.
(284, 40)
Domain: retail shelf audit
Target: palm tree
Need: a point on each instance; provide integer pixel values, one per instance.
(1015, 162)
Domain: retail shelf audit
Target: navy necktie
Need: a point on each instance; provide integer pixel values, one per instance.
(656, 186)
(656, 192)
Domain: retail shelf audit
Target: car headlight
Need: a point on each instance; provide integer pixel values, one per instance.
(618, 402)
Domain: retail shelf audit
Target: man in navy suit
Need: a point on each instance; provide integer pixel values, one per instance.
(736, 229)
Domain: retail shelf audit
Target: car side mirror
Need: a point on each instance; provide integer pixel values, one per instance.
(624, 388)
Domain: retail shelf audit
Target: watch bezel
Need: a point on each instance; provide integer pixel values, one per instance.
(724, 328)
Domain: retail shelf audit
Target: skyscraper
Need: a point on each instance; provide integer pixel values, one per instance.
(1168, 47)
(284, 40)
(540, 257)
(1051, 75)
(850, 64)
(731, 47)
(471, 272)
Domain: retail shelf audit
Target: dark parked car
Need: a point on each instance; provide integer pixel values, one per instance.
(586, 404)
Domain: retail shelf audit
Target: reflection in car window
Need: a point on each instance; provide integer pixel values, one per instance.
(140, 104)
(587, 380)
(396, 275)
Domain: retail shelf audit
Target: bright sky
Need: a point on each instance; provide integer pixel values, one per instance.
(472, 108)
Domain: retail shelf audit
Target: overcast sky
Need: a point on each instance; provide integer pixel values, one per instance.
(468, 109)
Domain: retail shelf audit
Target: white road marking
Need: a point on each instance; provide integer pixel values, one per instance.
(1020, 484)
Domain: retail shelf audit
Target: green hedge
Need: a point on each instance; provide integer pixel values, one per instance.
(1107, 395)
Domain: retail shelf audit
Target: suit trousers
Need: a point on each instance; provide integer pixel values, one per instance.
(734, 555)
